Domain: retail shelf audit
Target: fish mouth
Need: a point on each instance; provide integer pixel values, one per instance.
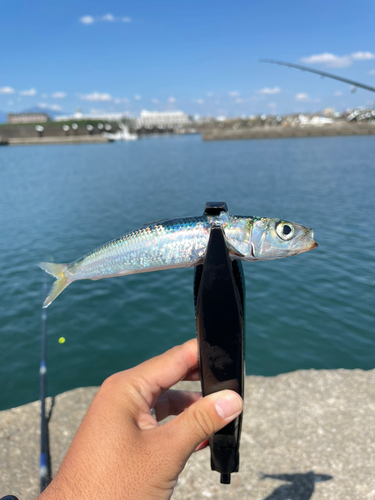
(313, 243)
(307, 249)
(306, 241)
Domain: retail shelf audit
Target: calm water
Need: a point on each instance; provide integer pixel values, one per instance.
(315, 310)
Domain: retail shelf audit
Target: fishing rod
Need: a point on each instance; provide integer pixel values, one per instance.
(44, 462)
(321, 73)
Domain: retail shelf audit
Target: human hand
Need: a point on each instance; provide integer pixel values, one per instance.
(120, 452)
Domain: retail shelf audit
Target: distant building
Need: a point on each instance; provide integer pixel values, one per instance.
(94, 115)
(328, 112)
(163, 119)
(27, 118)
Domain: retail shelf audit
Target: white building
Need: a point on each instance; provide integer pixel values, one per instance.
(28, 117)
(94, 115)
(163, 119)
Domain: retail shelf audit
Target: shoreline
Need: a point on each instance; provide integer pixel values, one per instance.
(309, 420)
(220, 134)
(79, 139)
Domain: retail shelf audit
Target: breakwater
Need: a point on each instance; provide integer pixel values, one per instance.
(309, 433)
(82, 139)
(279, 132)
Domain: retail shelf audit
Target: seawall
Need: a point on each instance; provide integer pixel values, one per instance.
(316, 427)
(37, 141)
(219, 134)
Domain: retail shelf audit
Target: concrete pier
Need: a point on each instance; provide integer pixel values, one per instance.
(306, 434)
(78, 139)
(219, 134)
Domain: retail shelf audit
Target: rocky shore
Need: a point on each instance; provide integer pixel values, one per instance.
(306, 434)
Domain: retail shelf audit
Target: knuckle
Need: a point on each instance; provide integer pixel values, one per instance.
(111, 383)
(203, 422)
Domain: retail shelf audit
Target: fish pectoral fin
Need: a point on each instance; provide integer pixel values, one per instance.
(196, 263)
(233, 250)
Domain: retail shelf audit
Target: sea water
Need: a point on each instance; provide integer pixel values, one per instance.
(315, 310)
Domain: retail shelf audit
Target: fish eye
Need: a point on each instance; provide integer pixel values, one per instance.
(285, 231)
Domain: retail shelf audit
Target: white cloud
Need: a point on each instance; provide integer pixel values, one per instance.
(234, 93)
(155, 101)
(96, 96)
(338, 93)
(137, 97)
(303, 97)
(333, 61)
(29, 92)
(86, 20)
(371, 72)
(329, 60)
(171, 99)
(362, 56)
(7, 90)
(53, 107)
(209, 94)
(10, 103)
(200, 101)
(109, 18)
(59, 95)
(272, 105)
(44, 96)
(270, 91)
(239, 100)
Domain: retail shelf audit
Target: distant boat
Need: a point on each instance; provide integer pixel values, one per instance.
(121, 135)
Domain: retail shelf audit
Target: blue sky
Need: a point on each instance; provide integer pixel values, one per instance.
(197, 56)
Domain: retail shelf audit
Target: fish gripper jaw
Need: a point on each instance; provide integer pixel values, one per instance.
(219, 297)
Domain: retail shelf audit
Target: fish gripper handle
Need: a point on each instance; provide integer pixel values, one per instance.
(219, 297)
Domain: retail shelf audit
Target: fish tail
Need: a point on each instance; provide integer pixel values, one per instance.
(58, 271)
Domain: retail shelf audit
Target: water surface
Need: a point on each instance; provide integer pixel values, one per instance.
(57, 203)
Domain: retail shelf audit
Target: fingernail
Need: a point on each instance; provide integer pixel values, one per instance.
(228, 405)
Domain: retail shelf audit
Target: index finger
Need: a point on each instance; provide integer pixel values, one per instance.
(160, 373)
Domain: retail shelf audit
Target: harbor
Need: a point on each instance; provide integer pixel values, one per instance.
(87, 129)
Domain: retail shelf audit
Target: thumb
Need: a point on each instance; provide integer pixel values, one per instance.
(201, 420)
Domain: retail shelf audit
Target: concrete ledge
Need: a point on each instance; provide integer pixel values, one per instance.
(303, 427)
(217, 134)
(78, 139)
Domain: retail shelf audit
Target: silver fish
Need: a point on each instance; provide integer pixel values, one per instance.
(174, 243)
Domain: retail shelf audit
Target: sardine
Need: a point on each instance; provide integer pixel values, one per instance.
(174, 243)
